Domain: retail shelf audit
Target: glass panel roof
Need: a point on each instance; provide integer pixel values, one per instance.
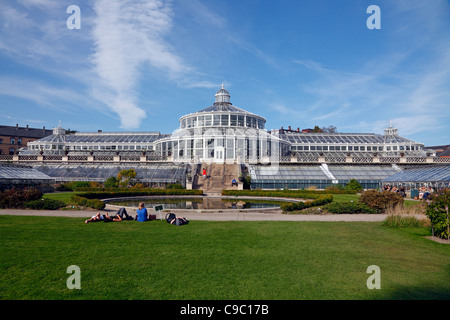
(374, 172)
(314, 172)
(21, 172)
(145, 173)
(422, 174)
(287, 173)
(122, 137)
(362, 138)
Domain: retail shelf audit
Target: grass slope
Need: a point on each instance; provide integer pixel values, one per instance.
(218, 260)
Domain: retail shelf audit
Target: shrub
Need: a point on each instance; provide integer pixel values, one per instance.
(335, 187)
(16, 198)
(91, 203)
(111, 182)
(437, 212)
(349, 208)
(63, 187)
(295, 206)
(400, 221)
(305, 194)
(71, 186)
(131, 192)
(174, 186)
(380, 201)
(45, 204)
(353, 185)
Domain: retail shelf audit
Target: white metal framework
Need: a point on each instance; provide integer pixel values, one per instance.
(223, 133)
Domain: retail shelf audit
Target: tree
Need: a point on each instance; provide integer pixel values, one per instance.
(329, 129)
(126, 176)
(111, 182)
(353, 185)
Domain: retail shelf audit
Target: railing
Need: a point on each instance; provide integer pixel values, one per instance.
(272, 159)
(441, 160)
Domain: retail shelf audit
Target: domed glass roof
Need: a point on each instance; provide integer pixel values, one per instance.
(222, 103)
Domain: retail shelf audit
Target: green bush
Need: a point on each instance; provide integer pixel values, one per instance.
(295, 206)
(437, 212)
(304, 194)
(174, 186)
(102, 193)
(349, 208)
(399, 221)
(111, 182)
(72, 186)
(91, 203)
(380, 201)
(45, 204)
(353, 185)
(63, 187)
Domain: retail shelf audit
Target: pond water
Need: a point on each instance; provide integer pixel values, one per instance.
(197, 203)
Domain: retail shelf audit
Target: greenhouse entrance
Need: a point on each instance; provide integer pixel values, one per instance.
(219, 153)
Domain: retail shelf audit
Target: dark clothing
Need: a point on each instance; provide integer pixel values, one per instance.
(122, 212)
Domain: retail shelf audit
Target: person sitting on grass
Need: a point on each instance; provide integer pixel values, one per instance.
(141, 213)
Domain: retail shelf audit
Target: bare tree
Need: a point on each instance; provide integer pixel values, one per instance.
(329, 129)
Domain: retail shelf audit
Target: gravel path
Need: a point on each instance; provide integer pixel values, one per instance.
(224, 215)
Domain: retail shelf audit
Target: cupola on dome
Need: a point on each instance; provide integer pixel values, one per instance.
(222, 96)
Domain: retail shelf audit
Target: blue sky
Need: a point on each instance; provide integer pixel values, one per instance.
(141, 65)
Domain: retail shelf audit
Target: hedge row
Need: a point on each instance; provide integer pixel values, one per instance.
(45, 204)
(323, 200)
(308, 194)
(85, 202)
(349, 208)
(102, 193)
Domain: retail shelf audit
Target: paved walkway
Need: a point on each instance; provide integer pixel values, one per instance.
(224, 215)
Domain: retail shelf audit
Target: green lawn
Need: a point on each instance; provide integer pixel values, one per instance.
(62, 196)
(218, 260)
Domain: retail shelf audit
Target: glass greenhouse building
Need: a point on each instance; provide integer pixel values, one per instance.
(223, 132)
(226, 134)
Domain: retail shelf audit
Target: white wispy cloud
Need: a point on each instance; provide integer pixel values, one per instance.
(129, 37)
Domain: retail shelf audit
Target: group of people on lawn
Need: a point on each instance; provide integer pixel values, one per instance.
(141, 215)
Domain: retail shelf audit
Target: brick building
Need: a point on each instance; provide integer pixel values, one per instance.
(13, 138)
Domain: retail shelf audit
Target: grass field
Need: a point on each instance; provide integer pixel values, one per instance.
(61, 196)
(218, 260)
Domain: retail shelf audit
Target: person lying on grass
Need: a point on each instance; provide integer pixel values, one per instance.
(119, 216)
(95, 218)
